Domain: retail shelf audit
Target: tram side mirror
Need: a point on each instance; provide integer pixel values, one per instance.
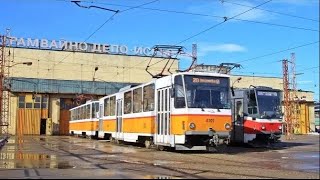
(172, 92)
(232, 91)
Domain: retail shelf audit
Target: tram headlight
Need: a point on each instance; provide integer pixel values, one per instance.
(280, 127)
(192, 126)
(227, 126)
(263, 127)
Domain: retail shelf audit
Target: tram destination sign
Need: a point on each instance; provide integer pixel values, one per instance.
(77, 46)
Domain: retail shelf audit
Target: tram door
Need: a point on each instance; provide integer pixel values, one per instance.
(100, 117)
(163, 119)
(119, 132)
(238, 134)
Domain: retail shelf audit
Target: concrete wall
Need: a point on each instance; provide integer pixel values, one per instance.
(54, 113)
(65, 65)
(13, 114)
(246, 81)
(274, 82)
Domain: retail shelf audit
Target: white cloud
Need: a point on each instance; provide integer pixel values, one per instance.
(205, 48)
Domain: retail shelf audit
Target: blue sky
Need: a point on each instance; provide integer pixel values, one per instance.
(235, 41)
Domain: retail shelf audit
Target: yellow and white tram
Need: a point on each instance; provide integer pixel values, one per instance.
(84, 119)
(184, 111)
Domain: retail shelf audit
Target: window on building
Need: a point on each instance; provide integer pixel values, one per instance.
(137, 100)
(112, 106)
(127, 102)
(148, 98)
(29, 105)
(22, 101)
(44, 103)
(37, 102)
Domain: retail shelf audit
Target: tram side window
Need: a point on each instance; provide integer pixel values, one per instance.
(106, 107)
(71, 115)
(113, 106)
(83, 112)
(137, 100)
(148, 98)
(88, 111)
(80, 113)
(77, 113)
(127, 102)
(95, 109)
(252, 105)
(179, 101)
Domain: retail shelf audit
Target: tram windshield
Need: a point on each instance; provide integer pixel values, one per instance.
(202, 92)
(269, 104)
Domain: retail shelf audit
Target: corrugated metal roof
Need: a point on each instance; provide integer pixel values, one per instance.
(64, 86)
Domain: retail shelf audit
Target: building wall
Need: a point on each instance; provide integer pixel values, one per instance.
(304, 98)
(13, 114)
(246, 81)
(55, 114)
(63, 65)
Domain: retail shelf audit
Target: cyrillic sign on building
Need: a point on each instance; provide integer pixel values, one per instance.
(77, 46)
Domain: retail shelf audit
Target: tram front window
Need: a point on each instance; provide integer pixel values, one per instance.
(269, 104)
(207, 92)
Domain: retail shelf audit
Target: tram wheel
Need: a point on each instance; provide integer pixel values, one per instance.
(118, 141)
(160, 148)
(112, 140)
(147, 144)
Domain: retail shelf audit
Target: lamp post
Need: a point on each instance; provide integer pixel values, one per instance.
(24, 63)
(232, 89)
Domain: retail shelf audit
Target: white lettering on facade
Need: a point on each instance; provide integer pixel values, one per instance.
(63, 44)
(73, 46)
(44, 43)
(106, 48)
(137, 50)
(21, 42)
(76, 46)
(123, 49)
(53, 44)
(83, 46)
(96, 48)
(32, 43)
(12, 39)
(146, 51)
(115, 49)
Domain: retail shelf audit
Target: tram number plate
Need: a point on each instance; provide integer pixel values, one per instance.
(210, 120)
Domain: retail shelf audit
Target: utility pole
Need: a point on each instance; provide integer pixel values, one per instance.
(286, 99)
(294, 99)
(4, 86)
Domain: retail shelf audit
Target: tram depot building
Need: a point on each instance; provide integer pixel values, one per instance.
(58, 80)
